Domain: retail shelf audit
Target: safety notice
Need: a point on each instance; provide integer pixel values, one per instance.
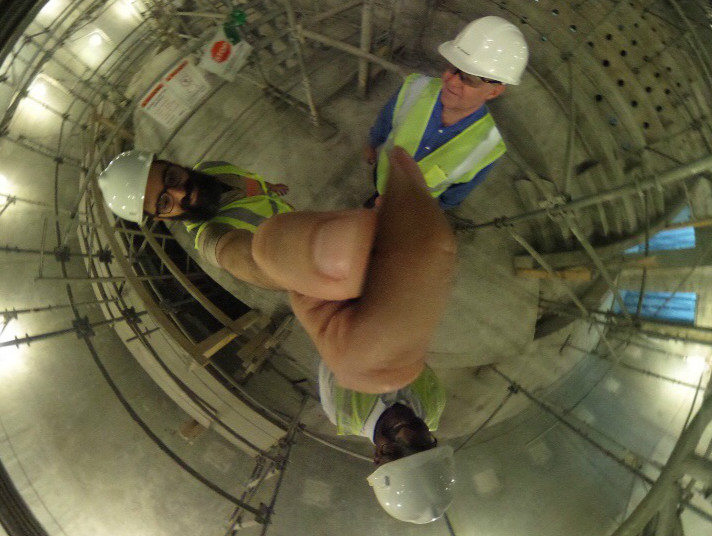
(224, 56)
(169, 101)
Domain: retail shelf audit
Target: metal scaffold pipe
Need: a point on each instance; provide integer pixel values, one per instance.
(319, 38)
(674, 469)
(683, 172)
(78, 328)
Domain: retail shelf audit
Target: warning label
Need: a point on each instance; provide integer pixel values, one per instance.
(169, 101)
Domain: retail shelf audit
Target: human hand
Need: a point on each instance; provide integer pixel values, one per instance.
(369, 155)
(279, 189)
(369, 287)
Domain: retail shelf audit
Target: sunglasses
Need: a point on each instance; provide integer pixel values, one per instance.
(470, 79)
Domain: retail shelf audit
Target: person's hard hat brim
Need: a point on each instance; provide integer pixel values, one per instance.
(418, 488)
(123, 184)
(459, 58)
(463, 61)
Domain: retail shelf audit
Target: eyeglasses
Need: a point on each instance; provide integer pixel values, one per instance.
(172, 178)
(469, 79)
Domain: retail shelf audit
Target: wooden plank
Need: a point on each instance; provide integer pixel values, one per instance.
(218, 340)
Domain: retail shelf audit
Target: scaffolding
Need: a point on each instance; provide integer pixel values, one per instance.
(584, 216)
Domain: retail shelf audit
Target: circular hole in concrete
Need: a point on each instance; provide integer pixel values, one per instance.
(606, 63)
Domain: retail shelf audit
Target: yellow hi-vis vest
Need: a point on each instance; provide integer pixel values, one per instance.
(245, 213)
(456, 161)
(425, 396)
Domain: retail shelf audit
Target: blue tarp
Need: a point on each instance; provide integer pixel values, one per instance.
(680, 307)
(683, 238)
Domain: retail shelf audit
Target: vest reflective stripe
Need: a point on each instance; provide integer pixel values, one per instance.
(456, 161)
(425, 396)
(483, 152)
(245, 213)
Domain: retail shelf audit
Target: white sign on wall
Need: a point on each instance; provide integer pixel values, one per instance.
(224, 58)
(171, 100)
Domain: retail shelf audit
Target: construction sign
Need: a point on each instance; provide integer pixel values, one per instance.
(226, 53)
(170, 101)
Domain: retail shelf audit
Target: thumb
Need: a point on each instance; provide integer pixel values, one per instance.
(319, 254)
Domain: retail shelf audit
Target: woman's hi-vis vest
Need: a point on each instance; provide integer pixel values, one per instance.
(425, 396)
(245, 213)
(456, 161)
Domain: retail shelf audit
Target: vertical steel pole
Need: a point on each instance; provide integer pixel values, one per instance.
(366, 40)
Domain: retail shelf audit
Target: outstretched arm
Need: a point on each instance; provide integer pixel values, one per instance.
(368, 287)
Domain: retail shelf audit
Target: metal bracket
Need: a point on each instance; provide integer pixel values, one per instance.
(130, 315)
(62, 254)
(83, 327)
(264, 514)
(8, 315)
(501, 222)
(105, 256)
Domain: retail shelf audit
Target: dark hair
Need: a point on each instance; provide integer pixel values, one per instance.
(422, 440)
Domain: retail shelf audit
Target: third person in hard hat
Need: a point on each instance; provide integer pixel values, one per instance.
(444, 122)
(415, 478)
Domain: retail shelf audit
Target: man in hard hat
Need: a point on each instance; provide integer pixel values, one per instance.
(444, 122)
(221, 204)
(415, 478)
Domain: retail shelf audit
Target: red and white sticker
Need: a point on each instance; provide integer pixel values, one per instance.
(220, 51)
(222, 58)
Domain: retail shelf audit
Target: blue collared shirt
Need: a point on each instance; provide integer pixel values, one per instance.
(435, 135)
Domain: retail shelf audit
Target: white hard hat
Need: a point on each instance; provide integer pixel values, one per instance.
(123, 184)
(491, 47)
(416, 488)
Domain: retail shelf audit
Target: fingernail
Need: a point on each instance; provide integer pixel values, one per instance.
(335, 245)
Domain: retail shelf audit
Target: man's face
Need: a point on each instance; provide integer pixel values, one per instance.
(177, 193)
(463, 92)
